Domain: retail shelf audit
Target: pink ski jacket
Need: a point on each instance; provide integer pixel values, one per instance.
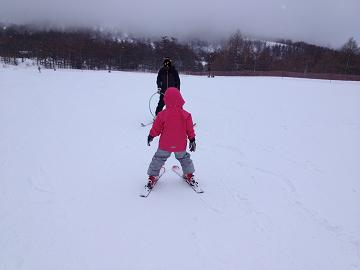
(174, 124)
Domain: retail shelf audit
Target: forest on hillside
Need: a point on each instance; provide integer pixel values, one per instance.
(94, 49)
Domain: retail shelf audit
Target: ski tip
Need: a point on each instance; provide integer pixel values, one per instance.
(144, 195)
(146, 124)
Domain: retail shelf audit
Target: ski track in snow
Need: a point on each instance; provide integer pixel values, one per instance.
(37, 188)
(293, 200)
(289, 188)
(208, 205)
(289, 185)
(334, 229)
(263, 221)
(313, 215)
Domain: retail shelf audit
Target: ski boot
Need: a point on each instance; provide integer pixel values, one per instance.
(189, 178)
(152, 181)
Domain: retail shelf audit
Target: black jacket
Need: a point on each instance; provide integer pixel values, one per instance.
(168, 78)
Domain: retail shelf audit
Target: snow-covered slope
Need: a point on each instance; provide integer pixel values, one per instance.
(278, 160)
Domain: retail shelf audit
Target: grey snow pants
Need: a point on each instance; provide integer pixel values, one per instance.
(161, 156)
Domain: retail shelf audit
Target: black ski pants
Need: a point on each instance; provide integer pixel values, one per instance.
(161, 104)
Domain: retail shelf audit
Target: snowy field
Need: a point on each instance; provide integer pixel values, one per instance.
(279, 160)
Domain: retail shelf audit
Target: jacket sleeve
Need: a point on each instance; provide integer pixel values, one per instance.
(157, 127)
(190, 128)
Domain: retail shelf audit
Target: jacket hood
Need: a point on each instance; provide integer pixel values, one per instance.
(173, 98)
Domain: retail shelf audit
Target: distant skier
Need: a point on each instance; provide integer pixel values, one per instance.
(175, 126)
(209, 70)
(167, 77)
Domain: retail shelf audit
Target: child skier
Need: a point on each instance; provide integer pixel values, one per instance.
(175, 126)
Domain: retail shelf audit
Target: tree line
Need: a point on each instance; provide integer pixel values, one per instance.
(90, 49)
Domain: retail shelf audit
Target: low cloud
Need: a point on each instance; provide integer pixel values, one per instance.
(312, 21)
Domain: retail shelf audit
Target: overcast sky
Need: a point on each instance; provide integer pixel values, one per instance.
(323, 22)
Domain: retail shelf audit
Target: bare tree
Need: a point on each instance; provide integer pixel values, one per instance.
(351, 49)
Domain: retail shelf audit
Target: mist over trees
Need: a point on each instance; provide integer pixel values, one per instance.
(92, 49)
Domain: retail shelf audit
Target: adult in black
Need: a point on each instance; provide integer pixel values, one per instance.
(167, 77)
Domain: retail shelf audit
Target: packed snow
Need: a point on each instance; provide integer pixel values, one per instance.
(278, 159)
